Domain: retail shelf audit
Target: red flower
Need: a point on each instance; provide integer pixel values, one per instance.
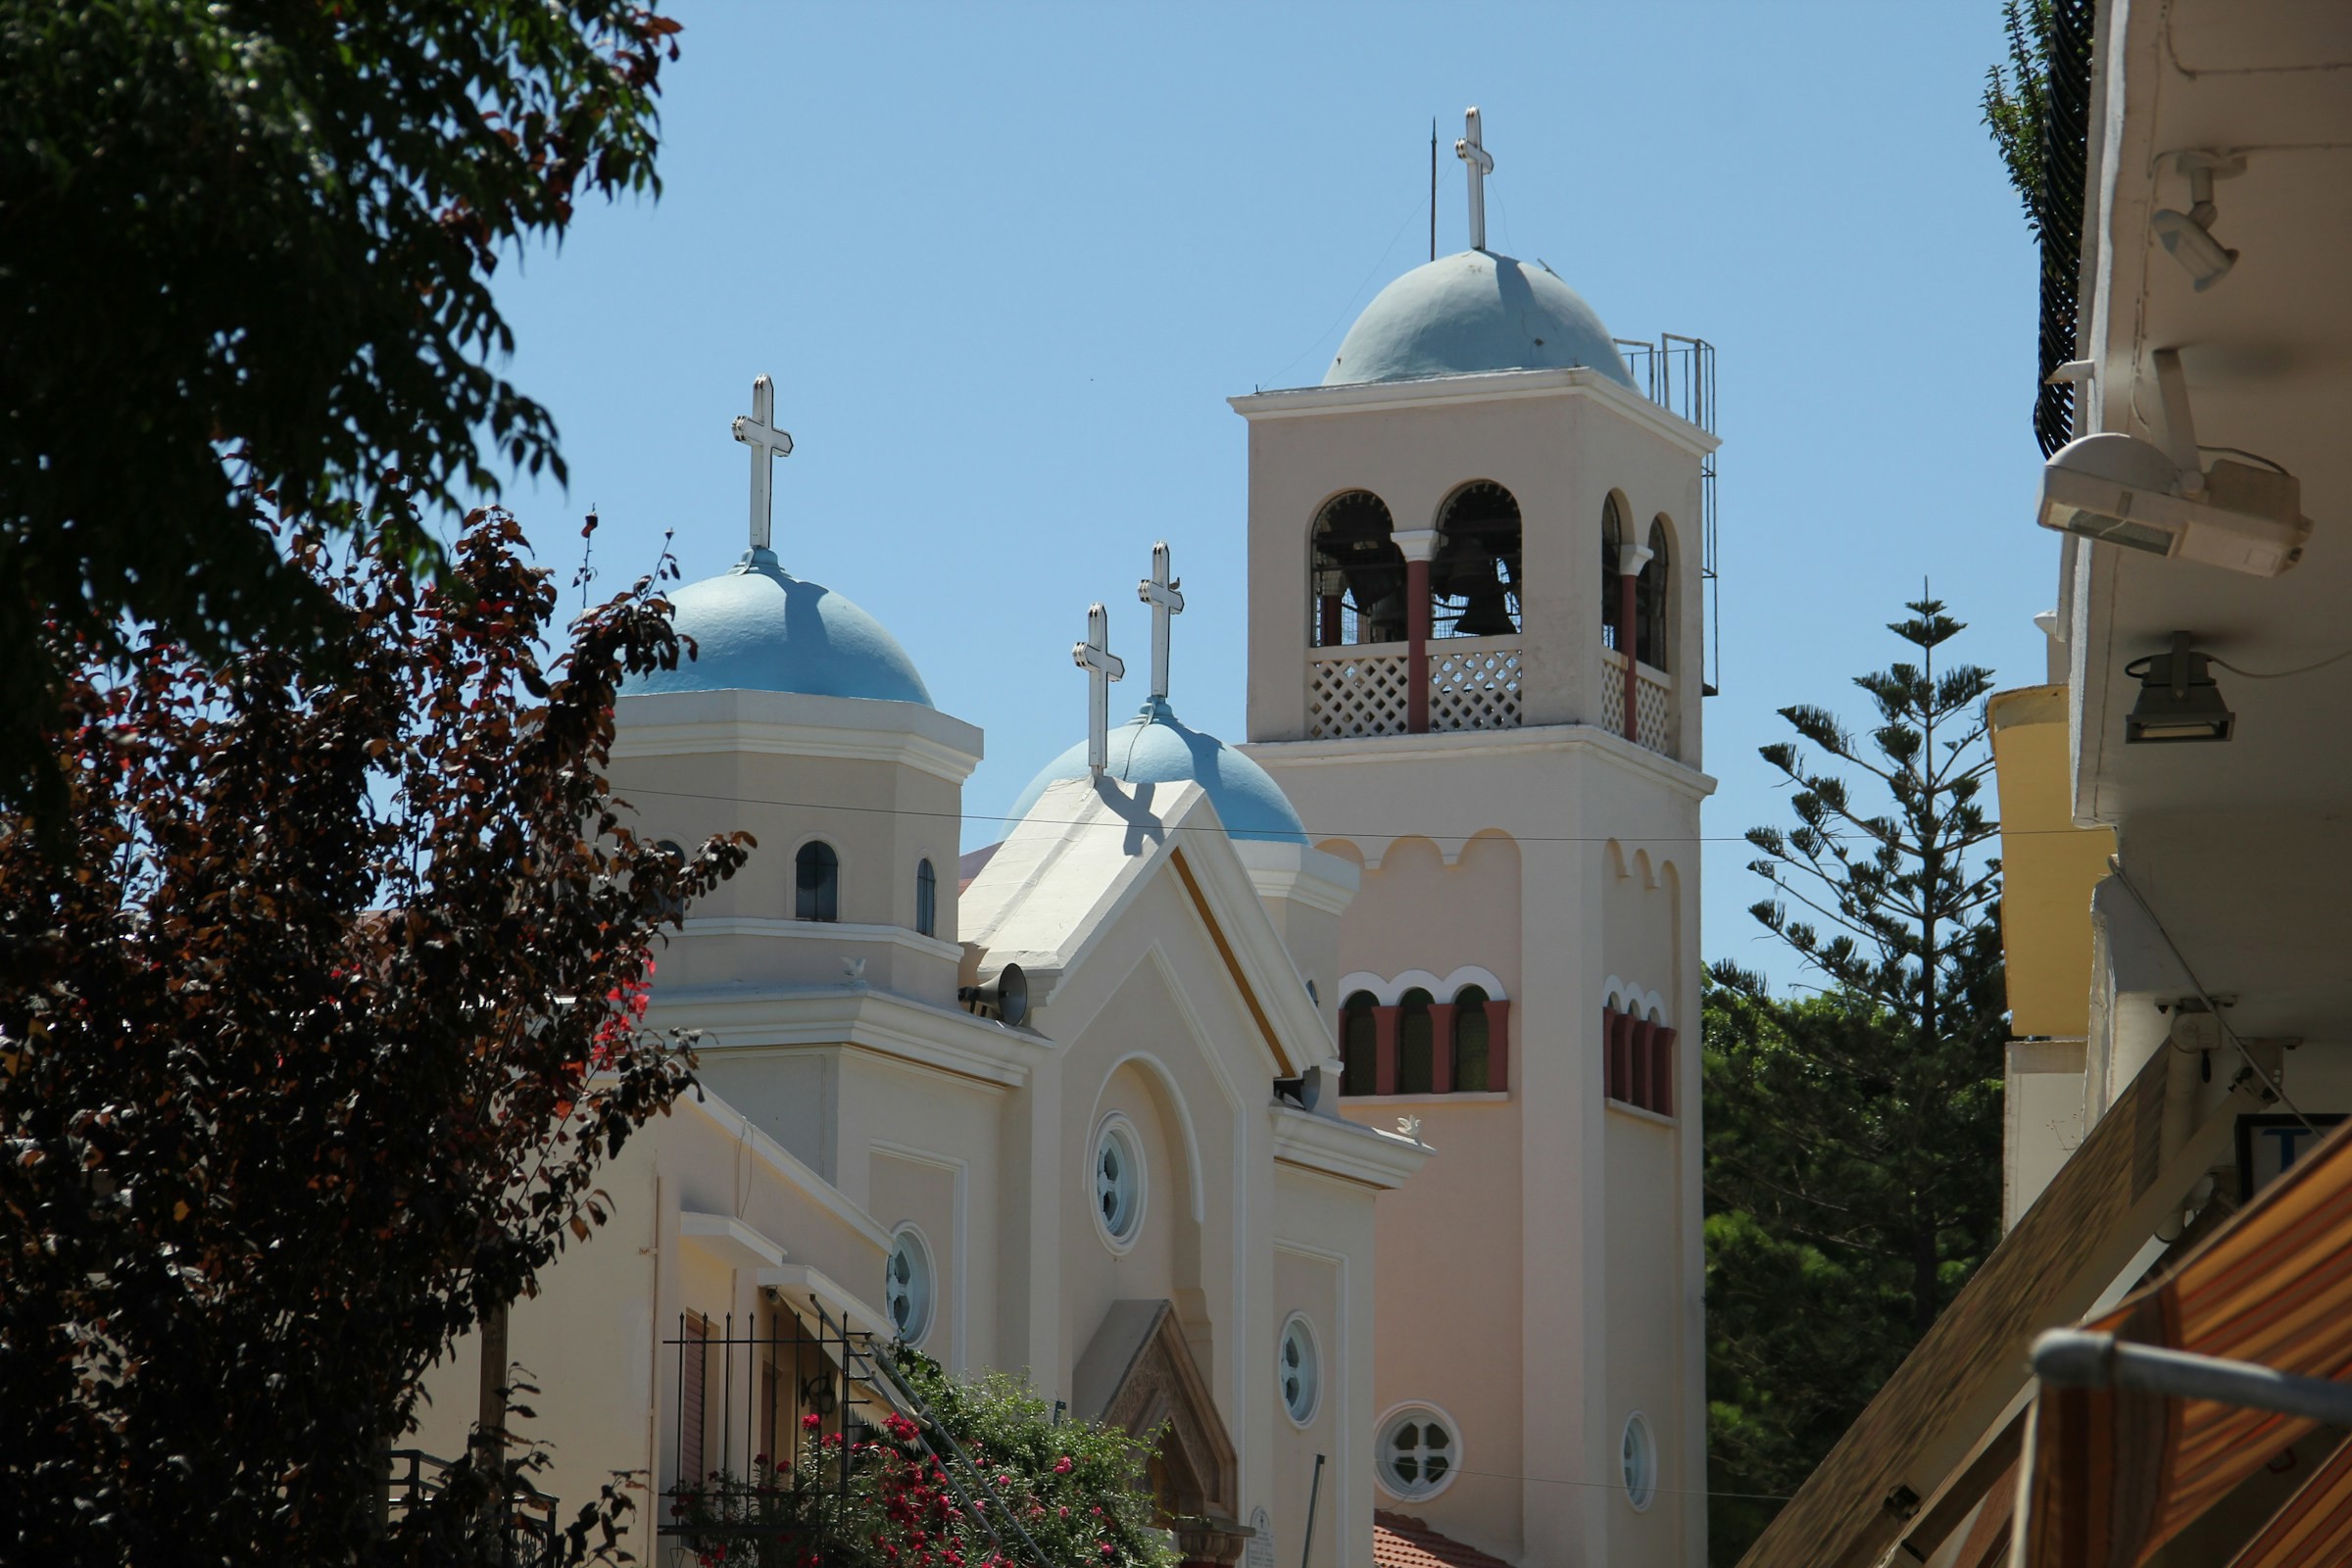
(1062, 1466)
(812, 1421)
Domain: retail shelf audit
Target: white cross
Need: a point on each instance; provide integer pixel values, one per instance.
(1471, 152)
(1102, 666)
(1163, 594)
(758, 430)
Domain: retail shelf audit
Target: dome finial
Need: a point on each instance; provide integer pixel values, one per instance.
(1472, 152)
(1102, 666)
(1162, 593)
(758, 430)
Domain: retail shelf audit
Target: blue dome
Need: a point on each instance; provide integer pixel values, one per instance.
(1461, 315)
(1156, 747)
(757, 627)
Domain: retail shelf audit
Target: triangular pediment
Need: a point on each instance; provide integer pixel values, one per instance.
(1139, 1372)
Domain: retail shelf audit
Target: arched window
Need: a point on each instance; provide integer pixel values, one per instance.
(1416, 1043)
(1612, 604)
(1649, 602)
(1471, 1074)
(1360, 1044)
(1474, 580)
(926, 901)
(817, 882)
(1357, 575)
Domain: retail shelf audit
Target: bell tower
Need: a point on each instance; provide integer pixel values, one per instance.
(1475, 638)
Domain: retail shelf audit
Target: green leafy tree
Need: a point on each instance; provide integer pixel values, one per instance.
(245, 254)
(1853, 1136)
(312, 1044)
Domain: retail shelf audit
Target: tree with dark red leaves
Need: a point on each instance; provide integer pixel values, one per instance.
(316, 1026)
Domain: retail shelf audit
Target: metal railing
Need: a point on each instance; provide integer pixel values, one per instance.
(1679, 373)
(529, 1535)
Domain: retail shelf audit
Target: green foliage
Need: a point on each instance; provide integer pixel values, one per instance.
(245, 252)
(1852, 1161)
(2015, 99)
(1071, 1488)
(311, 1049)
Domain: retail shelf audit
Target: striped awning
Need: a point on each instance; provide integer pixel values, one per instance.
(2113, 1473)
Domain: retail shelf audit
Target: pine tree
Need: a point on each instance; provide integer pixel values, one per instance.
(1853, 1136)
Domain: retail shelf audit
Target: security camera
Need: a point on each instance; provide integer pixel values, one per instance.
(2187, 242)
(2126, 491)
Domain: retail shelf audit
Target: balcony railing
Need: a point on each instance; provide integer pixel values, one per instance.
(1366, 689)
(1653, 703)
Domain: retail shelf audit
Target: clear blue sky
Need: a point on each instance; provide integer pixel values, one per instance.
(1006, 263)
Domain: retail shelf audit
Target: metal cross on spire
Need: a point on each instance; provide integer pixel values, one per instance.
(1472, 152)
(758, 430)
(1102, 666)
(1164, 595)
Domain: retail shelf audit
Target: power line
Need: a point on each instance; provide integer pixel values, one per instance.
(1311, 832)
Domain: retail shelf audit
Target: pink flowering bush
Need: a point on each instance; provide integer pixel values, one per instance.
(1076, 1488)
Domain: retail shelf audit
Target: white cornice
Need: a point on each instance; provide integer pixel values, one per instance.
(1345, 1150)
(792, 724)
(750, 1019)
(729, 1240)
(1489, 386)
(734, 1124)
(1679, 777)
(767, 927)
(1315, 878)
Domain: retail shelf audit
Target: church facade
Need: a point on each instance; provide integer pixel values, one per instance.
(1363, 1164)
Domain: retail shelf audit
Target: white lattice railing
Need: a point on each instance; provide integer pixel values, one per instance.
(1363, 690)
(1474, 683)
(1356, 691)
(1654, 702)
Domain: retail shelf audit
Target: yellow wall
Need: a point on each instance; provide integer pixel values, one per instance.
(2048, 866)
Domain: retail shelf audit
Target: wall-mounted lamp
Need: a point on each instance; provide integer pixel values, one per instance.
(2186, 236)
(2163, 499)
(2178, 698)
(818, 1396)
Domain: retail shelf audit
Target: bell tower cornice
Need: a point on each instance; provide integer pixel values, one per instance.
(1308, 402)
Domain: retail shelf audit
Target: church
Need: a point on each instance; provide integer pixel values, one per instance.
(1327, 1101)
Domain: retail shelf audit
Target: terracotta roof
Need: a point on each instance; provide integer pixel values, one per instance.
(1401, 1542)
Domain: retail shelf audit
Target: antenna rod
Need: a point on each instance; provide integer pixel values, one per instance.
(1433, 189)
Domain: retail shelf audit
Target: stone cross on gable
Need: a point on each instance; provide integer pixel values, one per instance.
(1470, 151)
(1102, 666)
(758, 430)
(1163, 594)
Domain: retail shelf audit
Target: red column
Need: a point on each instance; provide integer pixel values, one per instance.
(1417, 658)
(1441, 1048)
(1661, 1071)
(1644, 1090)
(1334, 626)
(1384, 1049)
(1499, 1044)
(1625, 611)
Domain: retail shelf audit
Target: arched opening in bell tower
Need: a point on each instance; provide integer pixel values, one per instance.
(1357, 575)
(1651, 616)
(1612, 605)
(1474, 582)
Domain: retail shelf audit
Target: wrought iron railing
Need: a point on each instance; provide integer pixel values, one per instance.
(529, 1534)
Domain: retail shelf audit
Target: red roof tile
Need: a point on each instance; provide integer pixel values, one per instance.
(1401, 1542)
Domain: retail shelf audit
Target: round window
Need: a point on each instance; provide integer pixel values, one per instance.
(1298, 1369)
(1638, 1454)
(1118, 1180)
(906, 1288)
(1419, 1453)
